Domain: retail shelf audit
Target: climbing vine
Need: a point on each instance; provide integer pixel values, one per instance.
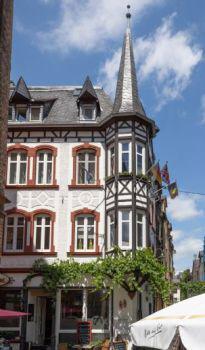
(128, 270)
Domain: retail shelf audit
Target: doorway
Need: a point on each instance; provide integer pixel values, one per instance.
(44, 320)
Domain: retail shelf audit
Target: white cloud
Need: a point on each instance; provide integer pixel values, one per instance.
(203, 108)
(167, 56)
(177, 234)
(89, 25)
(186, 248)
(184, 207)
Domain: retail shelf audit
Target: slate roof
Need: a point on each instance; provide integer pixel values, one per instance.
(127, 97)
(21, 91)
(60, 103)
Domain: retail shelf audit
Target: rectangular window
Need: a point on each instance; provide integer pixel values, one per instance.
(21, 113)
(10, 113)
(125, 157)
(141, 230)
(111, 160)
(14, 233)
(71, 309)
(42, 233)
(35, 115)
(125, 229)
(97, 310)
(44, 168)
(86, 164)
(140, 159)
(85, 233)
(17, 168)
(10, 300)
(88, 112)
(111, 230)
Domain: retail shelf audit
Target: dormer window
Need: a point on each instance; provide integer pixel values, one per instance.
(35, 114)
(21, 113)
(10, 113)
(88, 112)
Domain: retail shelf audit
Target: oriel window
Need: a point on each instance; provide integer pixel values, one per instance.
(17, 168)
(141, 236)
(140, 159)
(86, 167)
(112, 160)
(125, 157)
(111, 230)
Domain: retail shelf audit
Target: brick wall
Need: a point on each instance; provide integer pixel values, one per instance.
(6, 19)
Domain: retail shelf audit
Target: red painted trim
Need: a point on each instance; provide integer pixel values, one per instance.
(97, 219)
(18, 147)
(28, 187)
(30, 216)
(32, 153)
(87, 187)
(75, 150)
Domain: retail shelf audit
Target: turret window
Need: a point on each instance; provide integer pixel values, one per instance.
(141, 236)
(85, 233)
(111, 230)
(140, 159)
(111, 161)
(125, 157)
(17, 168)
(125, 239)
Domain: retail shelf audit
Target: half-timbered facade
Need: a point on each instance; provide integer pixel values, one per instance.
(77, 185)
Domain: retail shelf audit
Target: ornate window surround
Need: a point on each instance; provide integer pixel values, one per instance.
(75, 150)
(29, 232)
(74, 214)
(32, 164)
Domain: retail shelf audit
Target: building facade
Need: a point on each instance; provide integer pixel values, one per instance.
(77, 185)
(6, 19)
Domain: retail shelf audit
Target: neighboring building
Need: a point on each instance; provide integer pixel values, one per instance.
(198, 267)
(6, 19)
(74, 179)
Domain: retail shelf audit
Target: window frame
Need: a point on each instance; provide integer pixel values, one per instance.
(40, 113)
(43, 227)
(15, 226)
(143, 155)
(111, 156)
(18, 166)
(85, 233)
(90, 107)
(45, 167)
(144, 230)
(129, 246)
(109, 224)
(121, 152)
(17, 106)
(86, 167)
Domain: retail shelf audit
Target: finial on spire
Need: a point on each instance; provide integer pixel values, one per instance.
(128, 15)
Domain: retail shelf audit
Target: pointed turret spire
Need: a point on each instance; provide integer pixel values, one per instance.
(126, 97)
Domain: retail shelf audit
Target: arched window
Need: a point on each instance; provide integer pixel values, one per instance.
(15, 227)
(42, 232)
(86, 165)
(44, 168)
(17, 168)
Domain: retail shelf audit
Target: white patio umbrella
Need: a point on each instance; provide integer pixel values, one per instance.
(158, 330)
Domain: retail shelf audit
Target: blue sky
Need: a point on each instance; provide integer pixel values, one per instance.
(59, 42)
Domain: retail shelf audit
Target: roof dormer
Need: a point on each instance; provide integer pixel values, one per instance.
(87, 102)
(21, 93)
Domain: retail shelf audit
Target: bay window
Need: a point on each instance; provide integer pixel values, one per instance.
(86, 167)
(141, 230)
(44, 171)
(140, 159)
(125, 157)
(111, 230)
(85, 233)
(125, 229)
(17, 168)
(14, 233)
(111, 157)
(42, 233)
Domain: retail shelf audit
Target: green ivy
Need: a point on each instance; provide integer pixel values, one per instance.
(128, 270)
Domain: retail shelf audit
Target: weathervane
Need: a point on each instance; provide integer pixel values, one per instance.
(128, 15)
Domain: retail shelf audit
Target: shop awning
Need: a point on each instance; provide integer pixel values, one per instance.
(9, 313)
